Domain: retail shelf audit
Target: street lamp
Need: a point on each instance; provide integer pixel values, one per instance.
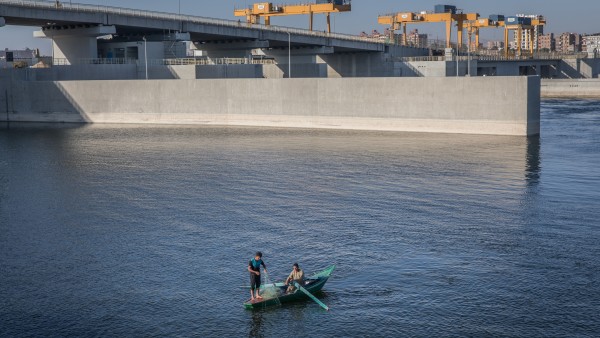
(180, 20)
(50, 25)
(457, 55)
(289, 55)
(469, 58)
(52, 45)
(470, 32)
(146, 56)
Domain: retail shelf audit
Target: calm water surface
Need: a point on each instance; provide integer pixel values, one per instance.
(146, 231)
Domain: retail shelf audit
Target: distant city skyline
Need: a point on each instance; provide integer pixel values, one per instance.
(576, 16)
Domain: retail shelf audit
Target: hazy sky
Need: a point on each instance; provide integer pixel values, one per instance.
(581, 16)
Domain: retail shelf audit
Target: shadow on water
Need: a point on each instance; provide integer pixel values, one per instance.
(40, 126)
(256, 325)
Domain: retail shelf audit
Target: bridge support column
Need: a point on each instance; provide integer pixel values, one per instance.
(303, 62)
(72, 43)
(2, 22)
(358, 65)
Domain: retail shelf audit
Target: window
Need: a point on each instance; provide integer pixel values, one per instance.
(132, 53)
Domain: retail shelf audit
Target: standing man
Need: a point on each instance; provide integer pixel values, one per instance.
(254, 269)
(297, 275)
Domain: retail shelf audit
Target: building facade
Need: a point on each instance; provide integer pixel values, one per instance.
(591, 44)
(529, 40)
(26, 57)
(568, 43)
(547, 43)
(136, 50)
(494, 45)
(417, 40)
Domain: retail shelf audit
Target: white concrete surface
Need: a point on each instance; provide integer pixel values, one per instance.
(499, 105)
(576, 88)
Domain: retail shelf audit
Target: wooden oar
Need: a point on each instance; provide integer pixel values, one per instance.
(310, 295)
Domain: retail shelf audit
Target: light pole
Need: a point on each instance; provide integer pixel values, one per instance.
(52, 46)
(457, 54)
(289, 55)
(469, 58)
(469, 49)
(180, 20)
(50, 26)
(146, 56)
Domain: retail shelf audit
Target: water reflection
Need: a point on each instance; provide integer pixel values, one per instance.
(533, 168)
(256, 325)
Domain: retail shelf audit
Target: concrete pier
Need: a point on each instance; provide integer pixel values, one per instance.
(76, 43)
(478, 105)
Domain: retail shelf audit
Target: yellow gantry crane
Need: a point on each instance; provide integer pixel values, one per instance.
(267, 10)
(473, 27)
(519, 24)
(443, 13)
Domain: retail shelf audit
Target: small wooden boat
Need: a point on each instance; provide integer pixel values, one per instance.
(312, 284)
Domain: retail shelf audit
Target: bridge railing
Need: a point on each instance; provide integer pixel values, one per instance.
(163, 62)
(77, 7)
(542, 56)
(207, 61)
(536, 56)
(93, 61)
(420, 58)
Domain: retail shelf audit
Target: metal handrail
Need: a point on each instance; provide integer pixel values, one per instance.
(77, 7)
(420, 58)
(207, 61)
(552, 56)
(162, 62)
(92, 61)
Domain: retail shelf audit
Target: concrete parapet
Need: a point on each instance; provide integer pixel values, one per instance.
(500, 105)
(577, 88)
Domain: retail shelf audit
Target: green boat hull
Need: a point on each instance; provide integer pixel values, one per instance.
(321, 278)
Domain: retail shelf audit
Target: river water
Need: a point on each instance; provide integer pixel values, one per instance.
(146, 231)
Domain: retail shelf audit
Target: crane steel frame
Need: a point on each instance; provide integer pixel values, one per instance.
(518, 28)
(267, 10)
(402, 19)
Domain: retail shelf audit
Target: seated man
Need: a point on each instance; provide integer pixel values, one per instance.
(296, 275)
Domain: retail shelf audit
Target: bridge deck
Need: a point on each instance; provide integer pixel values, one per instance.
(137, 22)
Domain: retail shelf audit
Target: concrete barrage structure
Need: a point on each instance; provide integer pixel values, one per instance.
(476, 105)
(575, 88)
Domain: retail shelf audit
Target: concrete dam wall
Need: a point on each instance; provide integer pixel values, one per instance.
(477, 105)
(575, 88)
